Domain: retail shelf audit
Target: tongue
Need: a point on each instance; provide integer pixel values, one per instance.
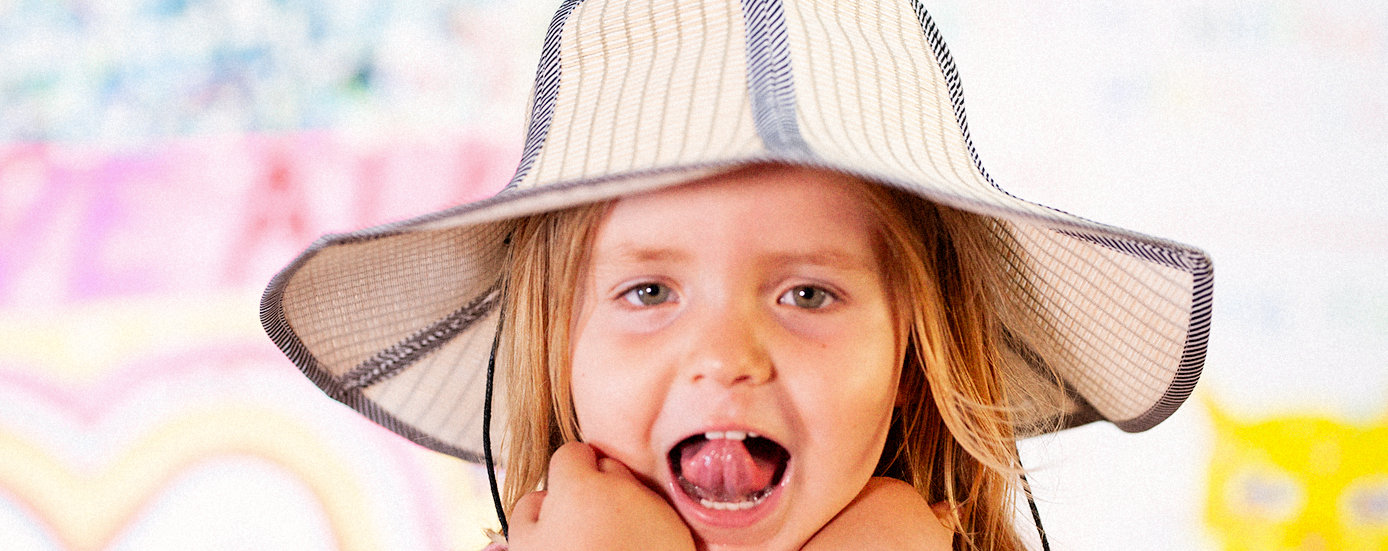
(724, 470)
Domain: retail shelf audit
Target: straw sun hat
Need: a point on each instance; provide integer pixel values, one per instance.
(398, 321)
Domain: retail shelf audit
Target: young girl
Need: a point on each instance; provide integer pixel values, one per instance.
(742, 344)
(749, 289)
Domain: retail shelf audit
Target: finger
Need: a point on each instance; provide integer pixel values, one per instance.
(527, 509)
(620, 474)
(612, 466)
(571, 461)
(944, 511)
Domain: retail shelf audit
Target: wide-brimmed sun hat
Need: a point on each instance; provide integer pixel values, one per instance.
(399, 321)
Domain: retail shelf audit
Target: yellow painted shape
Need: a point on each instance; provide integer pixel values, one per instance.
(78, 344)
(87, 510)
(1298, 482)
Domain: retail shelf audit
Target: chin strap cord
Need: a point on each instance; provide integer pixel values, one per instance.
(487, 427)
(1031, 502)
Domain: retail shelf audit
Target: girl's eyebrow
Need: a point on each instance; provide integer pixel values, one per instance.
(632, 253)
(828, 258)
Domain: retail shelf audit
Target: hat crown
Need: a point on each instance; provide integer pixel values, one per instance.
(630, 86)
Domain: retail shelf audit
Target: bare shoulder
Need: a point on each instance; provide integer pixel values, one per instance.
(887, 514)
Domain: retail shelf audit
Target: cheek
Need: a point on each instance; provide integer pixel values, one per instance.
(853, 398)
(613, 404)
(867, 403)
(594, 388)
(872, 358)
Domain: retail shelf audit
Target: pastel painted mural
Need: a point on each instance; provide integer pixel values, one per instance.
(161, 159)
(158, 162)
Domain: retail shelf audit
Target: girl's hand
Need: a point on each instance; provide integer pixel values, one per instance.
(887, 515)
(592, 503)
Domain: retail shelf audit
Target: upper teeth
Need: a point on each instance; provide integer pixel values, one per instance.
(730, 435)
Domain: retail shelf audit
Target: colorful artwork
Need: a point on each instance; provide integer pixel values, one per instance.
(161, 159)
(80, 223)
(1298, 482)
(132, 71)
(169, 424)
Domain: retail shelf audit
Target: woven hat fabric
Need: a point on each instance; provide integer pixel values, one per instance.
(398, 321)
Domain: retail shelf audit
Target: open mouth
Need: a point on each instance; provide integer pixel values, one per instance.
(728, 470)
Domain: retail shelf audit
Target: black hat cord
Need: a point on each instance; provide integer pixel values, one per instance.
(1031, 502)
(487, 426)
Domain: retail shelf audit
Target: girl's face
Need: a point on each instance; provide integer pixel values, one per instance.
(736, 349)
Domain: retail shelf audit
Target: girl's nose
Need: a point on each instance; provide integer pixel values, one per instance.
(729, 349)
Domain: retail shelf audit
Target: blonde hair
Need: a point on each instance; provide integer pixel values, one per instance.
(548, 255)
(954, 442)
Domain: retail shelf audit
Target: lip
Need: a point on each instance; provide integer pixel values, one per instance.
(692, 510)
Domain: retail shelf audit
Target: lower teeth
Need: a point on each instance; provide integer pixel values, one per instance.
(725, 506)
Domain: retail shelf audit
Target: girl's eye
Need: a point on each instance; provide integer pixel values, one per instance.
(806, 296)
(648, 294)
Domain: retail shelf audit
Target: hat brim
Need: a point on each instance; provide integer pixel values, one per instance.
(398, 321)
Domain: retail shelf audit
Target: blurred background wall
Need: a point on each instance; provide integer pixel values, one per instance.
(161, 159)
